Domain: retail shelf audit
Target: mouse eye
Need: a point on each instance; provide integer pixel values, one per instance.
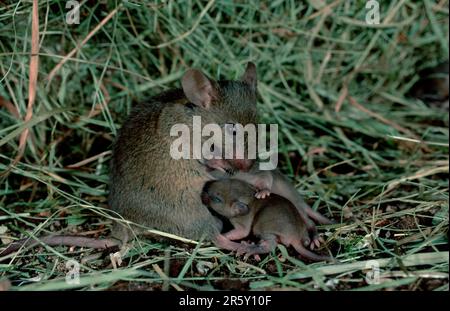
(241, 208)
(216, 199)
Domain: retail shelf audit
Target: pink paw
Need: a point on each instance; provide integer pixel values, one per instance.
(248, 250)
(316, 242)
(262, 194)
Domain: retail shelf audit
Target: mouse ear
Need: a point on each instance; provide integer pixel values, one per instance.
(198, 88)
(249, 75)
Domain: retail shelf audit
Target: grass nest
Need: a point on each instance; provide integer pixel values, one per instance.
(353, 139)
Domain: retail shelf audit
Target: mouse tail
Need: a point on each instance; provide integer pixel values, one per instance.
(73, 240)
(304, 252)
(56, 240)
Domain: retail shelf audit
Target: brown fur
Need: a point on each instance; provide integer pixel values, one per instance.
(148, 186)
(267, 182)
(273, 219)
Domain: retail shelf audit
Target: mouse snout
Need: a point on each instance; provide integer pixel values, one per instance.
(243, 164)
(240, 208)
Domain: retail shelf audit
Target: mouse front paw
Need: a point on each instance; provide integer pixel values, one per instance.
(264, 181)
(218, 165)
(262, 194)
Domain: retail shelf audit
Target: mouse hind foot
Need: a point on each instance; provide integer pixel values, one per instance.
(266, 244)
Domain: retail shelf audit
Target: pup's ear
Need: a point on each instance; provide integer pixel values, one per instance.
(198, 88)
(249, 75)
(205, 198)
(204, 195)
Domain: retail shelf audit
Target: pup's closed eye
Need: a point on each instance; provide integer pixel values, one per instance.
(216, 199)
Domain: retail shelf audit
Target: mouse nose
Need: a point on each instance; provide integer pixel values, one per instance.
(243, 164)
